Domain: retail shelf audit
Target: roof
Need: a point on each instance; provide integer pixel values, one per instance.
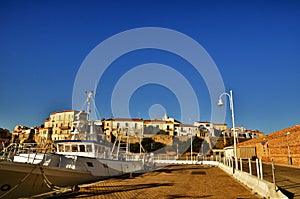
(64, 111)
(154, 121)
(203, 122)
(125, 119)
(187, 125)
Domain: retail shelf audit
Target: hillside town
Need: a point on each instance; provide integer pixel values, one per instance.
(60, 125)
(214, 138)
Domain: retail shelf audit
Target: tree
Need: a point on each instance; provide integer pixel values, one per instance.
(4, 133)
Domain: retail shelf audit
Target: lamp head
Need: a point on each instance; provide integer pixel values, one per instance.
(220, 103)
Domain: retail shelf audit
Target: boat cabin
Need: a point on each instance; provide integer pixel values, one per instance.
(84, 148)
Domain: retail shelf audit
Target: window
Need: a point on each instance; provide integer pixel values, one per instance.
(118, 125)
(81, 148)
(67, 148)
(88, 148)
(89, 164)
(74, 148)
(60, 148)
(135, 125)
(126, 124)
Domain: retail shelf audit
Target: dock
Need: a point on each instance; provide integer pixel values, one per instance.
(174, 181)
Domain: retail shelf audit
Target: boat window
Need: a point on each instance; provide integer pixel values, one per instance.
(74, 148)
(88, 148)
(90, 164)
(60, 148)
(81, 148)
(67, 148)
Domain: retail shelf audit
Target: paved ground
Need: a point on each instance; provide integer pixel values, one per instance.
(177, 181)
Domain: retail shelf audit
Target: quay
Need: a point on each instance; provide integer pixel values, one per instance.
(174, 181)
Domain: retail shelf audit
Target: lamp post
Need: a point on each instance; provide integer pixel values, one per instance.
(191, 146)
(289, 151)
(233, 124)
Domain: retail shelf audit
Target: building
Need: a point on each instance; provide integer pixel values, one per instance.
(44, 134)
(242, 132)
(281, 146)
(166, 125)
(60, 124)
(130, 126)
(186, 130)
(213, 129)
(23, 134)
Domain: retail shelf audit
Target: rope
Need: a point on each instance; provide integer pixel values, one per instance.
(21, 181)
(47, 181)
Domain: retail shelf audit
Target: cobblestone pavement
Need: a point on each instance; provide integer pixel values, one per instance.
(176, 181)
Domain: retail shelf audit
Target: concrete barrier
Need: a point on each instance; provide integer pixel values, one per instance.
(259, 186)
(205, 162)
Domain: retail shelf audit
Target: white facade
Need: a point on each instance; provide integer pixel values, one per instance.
(242, 132)
(206, 126)
(133, 126)
(229, 152)
(186, 130)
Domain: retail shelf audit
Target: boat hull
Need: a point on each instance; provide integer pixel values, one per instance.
(25, 180)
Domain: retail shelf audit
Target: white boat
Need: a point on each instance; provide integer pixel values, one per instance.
(83, 159)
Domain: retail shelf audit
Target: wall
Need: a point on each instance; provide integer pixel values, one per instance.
(275, 146)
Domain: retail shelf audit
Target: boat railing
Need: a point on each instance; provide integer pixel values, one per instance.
(25, 152)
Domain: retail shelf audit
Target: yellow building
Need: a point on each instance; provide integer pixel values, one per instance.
(61, 124)
(166, 124)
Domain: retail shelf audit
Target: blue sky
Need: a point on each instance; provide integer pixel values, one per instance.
(255, 45)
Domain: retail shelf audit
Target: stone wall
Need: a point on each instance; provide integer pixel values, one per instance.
(275, 146)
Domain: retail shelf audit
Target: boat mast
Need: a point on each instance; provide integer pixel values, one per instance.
(88, 101)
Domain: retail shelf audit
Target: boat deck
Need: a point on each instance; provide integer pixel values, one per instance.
(175, 181)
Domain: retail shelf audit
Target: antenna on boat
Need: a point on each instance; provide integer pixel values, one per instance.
(88, 101)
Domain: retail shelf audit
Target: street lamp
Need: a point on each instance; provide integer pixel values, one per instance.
(289, 151)
(191, 146)
(233, 124)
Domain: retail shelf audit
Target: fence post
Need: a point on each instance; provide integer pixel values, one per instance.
(250, 169)
(261, 169)
(273, 174)
(241, 163)
(257, 168)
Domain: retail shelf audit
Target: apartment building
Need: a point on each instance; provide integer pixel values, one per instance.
(22, 134)
(186, 130)
(242, 132)
(213, 129)
(129, 126)
(60, 124)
